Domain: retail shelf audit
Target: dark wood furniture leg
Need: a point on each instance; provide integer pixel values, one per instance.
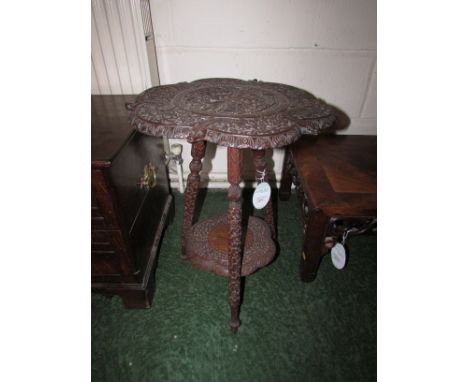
(193, 183)
(260, 169)
(139, 298)
(235, 234)
(286, 176)
(312, 251)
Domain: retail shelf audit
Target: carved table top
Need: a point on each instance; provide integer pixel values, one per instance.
(230, 112)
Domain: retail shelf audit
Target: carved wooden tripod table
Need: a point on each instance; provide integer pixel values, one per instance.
(240, 115)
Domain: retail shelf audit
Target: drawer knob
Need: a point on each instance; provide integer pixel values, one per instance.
(148, 180)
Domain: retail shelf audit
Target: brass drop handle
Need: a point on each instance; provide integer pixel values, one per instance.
(148, 180)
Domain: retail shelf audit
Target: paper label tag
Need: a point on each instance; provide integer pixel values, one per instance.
(338, 256)
(261, 195)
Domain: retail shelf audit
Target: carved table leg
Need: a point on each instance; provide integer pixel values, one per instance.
(317, 224)
(260, 168)
(193, 182)
(235, 234)
(286, 176)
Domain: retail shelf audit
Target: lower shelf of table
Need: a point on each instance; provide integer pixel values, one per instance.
(208, 245)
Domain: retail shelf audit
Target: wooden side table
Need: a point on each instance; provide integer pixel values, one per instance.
(336, 178)
(240, 115)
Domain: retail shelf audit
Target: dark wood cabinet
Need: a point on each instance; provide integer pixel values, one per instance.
(130, 203)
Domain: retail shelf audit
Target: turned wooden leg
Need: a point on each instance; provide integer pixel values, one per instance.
(260, 169)
(313, 245)
(286, 176)
(193, 183)
(235, 234)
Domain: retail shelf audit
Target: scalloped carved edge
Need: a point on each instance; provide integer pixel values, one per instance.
(200, 130)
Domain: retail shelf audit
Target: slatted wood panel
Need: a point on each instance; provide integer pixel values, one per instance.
(119, 56)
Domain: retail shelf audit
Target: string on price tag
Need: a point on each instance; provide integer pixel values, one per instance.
(262, 193)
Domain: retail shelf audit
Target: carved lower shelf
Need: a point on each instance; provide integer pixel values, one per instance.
(208, 245)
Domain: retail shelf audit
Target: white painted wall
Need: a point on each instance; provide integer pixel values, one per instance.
(327, 47)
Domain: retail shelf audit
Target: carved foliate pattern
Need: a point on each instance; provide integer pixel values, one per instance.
(193, 182)
(235, 233)
(231, 100)
(230, 112)
(258, 251)
(235, 260)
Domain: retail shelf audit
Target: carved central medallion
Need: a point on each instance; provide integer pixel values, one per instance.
(235, 101)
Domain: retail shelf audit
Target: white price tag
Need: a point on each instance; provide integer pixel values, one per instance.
(261, 195)
(338, 256)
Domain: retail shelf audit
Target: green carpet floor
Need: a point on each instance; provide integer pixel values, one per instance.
(290, 331)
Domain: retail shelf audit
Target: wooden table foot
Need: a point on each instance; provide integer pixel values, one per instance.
(234, 323)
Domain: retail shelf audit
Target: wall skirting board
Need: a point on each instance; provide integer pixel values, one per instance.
(216, 181)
